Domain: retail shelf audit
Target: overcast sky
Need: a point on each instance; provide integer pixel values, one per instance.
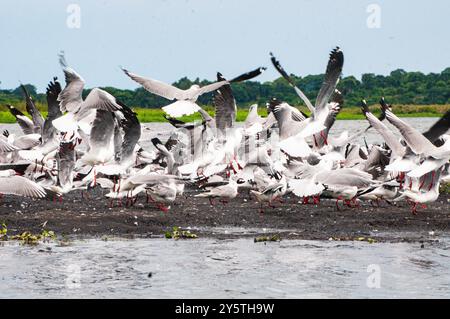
(170, 39)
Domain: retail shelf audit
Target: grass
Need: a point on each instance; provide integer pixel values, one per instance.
(348, 113)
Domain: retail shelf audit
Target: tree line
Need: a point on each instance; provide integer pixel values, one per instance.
(399, 87)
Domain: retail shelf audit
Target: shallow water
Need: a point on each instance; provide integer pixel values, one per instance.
(211, 268)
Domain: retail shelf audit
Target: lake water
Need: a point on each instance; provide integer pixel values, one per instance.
(211, 268)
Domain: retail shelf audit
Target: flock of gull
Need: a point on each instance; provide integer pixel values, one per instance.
(95, 141)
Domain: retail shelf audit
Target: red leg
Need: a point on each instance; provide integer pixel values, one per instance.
(316, 199)
(414, 209)
(324, 137)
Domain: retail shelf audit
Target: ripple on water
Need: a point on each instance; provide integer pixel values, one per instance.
(206, 268)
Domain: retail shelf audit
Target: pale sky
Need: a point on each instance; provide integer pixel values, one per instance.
(167, 40)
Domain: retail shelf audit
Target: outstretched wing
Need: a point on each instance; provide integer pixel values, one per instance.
(101, 100)
(332, 74)
(157, 87)
(38, 120)
(71, 97)
(284, 74)
(248, 75)
(24, 122)
(439, 128)
(132, 131)
(225, 105)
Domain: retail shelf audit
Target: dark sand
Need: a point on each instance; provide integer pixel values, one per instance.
(94, 218)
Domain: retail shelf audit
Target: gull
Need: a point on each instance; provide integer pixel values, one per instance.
(163, 189)
(333, 71)
(272, 192)
(65, 162)
(293, 129)
(36, 117)
(416, 141)
(398, 150)
(384, 192)
(131, 128)
(224, 102)
(224, 190)
(24, 122)
(185, 99)
(420, 197)
(101, 147)
(78, 109)
(49, 132)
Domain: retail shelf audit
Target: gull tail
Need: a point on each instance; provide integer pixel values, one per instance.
(180, 108)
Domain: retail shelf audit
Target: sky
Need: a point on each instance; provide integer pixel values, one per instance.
(168, 39)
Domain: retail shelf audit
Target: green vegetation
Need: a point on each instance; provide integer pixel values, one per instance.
(177, 233)
(350, 113)
(411, 93)
(27, 238)
(260, 239)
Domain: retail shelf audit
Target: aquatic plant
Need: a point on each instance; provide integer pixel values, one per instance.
(27, 238)
(3, 232)
(177, 233)
(275, 237)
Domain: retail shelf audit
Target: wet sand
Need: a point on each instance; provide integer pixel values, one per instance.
(92, 217)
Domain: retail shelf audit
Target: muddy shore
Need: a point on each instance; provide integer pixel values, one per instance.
(92, 217)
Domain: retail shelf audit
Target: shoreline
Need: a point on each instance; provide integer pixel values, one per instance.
(76, 217)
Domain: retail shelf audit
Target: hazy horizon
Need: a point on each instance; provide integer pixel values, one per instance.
(168, 40)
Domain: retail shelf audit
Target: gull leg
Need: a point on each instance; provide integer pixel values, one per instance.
(324, 137)
(414, 209)
(432, 180)
(316, 199)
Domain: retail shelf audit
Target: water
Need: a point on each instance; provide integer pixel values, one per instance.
(210, 268)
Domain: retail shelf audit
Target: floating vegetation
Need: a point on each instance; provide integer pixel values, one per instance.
(275, 237)
(177, 233)
(27, 238)
(4, 232)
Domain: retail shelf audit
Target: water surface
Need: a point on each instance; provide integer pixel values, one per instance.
(211, 268)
